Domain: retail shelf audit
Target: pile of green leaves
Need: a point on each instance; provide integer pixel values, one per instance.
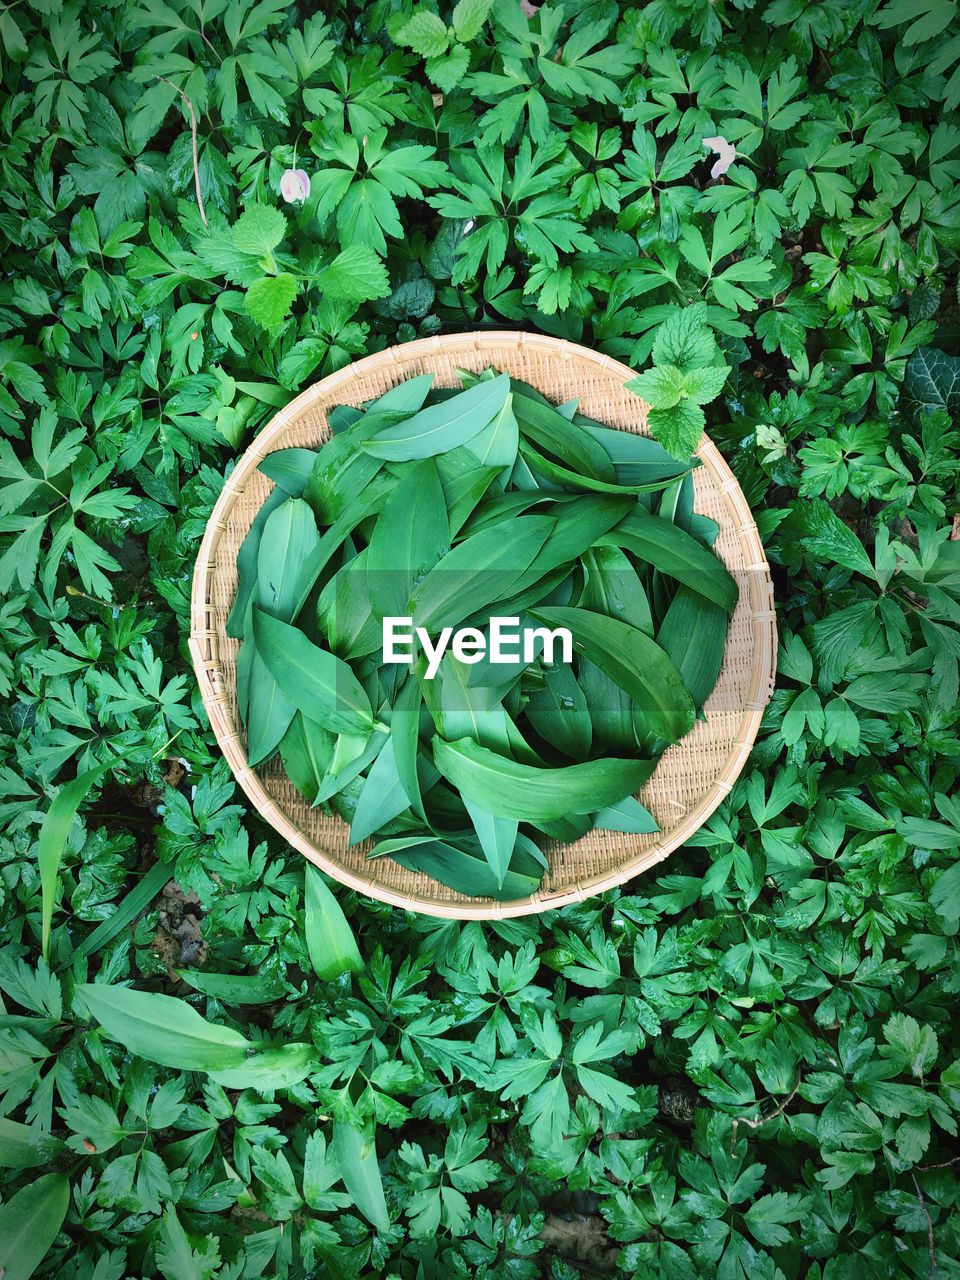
(745, 1062)
(447, 509)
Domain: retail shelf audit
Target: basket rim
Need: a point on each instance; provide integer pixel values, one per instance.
(203, 642)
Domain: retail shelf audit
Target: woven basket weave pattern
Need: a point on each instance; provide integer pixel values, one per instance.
(691, 778)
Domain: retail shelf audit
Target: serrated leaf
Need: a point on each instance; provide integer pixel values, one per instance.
(705, 384)
(679, 428)
(259, 229)
(661, 387)
(469, 17)
(448, 70)
(355, 275)
(828, 538)
(268, 301)
(685, 339)
(424, 33)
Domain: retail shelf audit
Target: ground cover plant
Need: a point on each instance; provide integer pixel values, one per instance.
(215, 1065)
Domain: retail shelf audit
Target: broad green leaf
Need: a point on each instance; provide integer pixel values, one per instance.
(552, 433)
(464, 710)
(371, 499)
(268, 301)
(497, 837)
(630, 448)
(442, 426)
(478, 571)
(542, 466)
(29, 1222)
(626, 815)
(269, 711)
(635, 662)
(127, 910)
(527, 793)
(355, 1154)
(612, 586)
(496, 445)
(270, 1069)
(289, 469)
(694, 633)
(342, 471)
(383, 796)
(24, 1148)
(463, 491)
(307, 751)
(405, 731)
(289, 539)
(53, 841)
(234, 988)
(247, 563)
(344, 616)
(163, 1029)
(406, 397)
(464, 866)
(559, 713)
(579, 523)
(611, 709)
(314, 681)
(675, 553)
(331, 944)
(347, 765)
(411, 534)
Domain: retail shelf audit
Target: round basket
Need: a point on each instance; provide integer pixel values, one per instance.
(691, 778)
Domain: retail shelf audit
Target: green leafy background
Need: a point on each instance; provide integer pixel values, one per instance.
(743, 1065)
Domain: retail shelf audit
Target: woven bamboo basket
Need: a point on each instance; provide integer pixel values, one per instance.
(691, 778)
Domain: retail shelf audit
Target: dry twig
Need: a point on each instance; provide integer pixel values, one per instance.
(930, 1245)
(193, 139)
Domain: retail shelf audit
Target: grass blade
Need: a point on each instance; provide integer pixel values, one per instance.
(53, 841)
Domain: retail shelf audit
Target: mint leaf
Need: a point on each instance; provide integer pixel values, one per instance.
(685, 339)
(704, 385)
(678, 428)
(259, 229)
(469, 17)
(661, 387)
(446, 72)
(269, 300)
(425, 34)
(355, 275)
